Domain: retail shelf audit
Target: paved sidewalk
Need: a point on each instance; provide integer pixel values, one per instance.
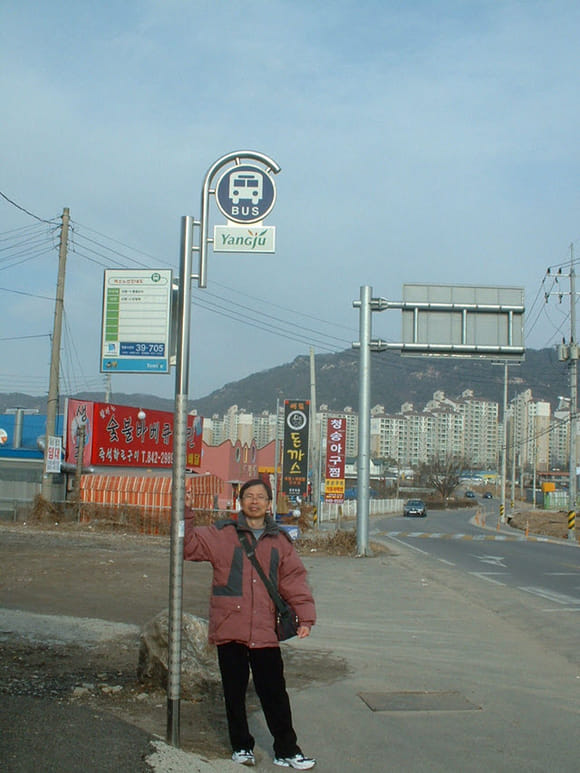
(436, 682)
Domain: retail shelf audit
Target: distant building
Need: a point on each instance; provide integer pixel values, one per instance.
(465, 428)
(529, 432)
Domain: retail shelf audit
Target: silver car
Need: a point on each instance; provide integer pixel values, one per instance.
(415, 508)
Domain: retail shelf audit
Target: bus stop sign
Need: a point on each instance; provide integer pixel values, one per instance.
(245, 194)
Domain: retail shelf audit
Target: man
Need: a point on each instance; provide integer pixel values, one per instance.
(242, 618)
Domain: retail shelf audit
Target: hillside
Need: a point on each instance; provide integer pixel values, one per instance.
(394, 380)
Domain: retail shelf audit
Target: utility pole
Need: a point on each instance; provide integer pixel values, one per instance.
(53, 383)
(108, 388)
(573, 398)
(313, 435)
(513, 481)
(570, 352)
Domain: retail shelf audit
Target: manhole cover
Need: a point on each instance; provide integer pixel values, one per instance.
(417, 701)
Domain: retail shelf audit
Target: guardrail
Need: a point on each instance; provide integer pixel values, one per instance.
(331, 511)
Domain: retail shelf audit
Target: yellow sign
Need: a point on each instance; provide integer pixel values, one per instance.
(334, 490)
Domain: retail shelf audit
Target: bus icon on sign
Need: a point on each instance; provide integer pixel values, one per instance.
(245, 194)
(246, 186)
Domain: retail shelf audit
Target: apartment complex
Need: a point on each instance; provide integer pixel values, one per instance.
(465, 427)
(237, 424)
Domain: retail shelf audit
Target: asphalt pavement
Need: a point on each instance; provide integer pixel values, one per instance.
(439, 679)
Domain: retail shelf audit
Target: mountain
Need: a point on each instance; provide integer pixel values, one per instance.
(394, 380)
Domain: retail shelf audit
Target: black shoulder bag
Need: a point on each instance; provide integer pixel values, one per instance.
(286, 617)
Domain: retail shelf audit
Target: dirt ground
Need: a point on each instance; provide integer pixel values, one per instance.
(74, 570)
(542, 522)
(69, 571)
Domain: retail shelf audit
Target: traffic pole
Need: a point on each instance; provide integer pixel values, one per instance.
(572, 525)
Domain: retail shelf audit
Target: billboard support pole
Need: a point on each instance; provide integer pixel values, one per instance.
(364, 419)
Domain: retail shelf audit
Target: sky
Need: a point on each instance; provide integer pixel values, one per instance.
(431, 142)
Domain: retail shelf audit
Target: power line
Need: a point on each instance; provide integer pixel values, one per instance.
(26, 211)
(23, 338)
(31, 295)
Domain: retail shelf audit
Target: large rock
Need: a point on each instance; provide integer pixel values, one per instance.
(199, 666)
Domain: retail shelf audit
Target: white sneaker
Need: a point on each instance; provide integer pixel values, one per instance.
(244, 757)
(298, 762)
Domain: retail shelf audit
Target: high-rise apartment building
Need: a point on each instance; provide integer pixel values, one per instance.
(560, 436)
(466, 428)
(529, 433)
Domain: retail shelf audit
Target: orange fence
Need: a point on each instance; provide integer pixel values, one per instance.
(151, 494)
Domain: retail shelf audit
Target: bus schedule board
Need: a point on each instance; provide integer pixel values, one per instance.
(136, 321)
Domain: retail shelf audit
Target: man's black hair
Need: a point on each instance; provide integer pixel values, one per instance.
(257, 482)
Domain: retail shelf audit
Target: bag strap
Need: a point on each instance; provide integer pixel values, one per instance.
(274, 595)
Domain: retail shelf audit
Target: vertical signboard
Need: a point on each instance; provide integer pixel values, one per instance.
(79, 414)
(335, 459)
(136, 321)
(295, 457)
(53, 453)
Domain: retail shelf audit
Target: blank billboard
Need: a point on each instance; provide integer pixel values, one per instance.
(463, 320)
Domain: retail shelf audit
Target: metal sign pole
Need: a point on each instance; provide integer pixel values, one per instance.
(502, 516)
(178, 487)
(364, 418)
(180, 426)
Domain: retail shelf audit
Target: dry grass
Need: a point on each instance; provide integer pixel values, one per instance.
(335, 543)
(545, 522)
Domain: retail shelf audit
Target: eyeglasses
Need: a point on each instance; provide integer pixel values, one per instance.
(255, 498)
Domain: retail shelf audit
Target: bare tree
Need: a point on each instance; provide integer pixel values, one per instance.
(442, 473)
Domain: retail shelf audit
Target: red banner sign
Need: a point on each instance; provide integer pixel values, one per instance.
(123, 436)
(335, 459)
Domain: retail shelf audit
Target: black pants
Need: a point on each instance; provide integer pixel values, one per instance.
(267, 667)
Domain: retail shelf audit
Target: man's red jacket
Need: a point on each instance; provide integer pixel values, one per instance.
(241, 609)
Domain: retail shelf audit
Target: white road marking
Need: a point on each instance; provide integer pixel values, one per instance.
(544, 593)
(412, 547)
(487, 576)
(493, 560)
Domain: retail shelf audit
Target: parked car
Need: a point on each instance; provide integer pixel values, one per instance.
(470, 494)
(415, 508)
(488, 495)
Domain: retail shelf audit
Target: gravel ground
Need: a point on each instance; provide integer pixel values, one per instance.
(72, 605)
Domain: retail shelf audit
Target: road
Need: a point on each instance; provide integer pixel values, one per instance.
(537, 579)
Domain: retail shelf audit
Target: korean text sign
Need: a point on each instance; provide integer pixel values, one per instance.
(335, 458)
(295, 456)
(115, 435)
